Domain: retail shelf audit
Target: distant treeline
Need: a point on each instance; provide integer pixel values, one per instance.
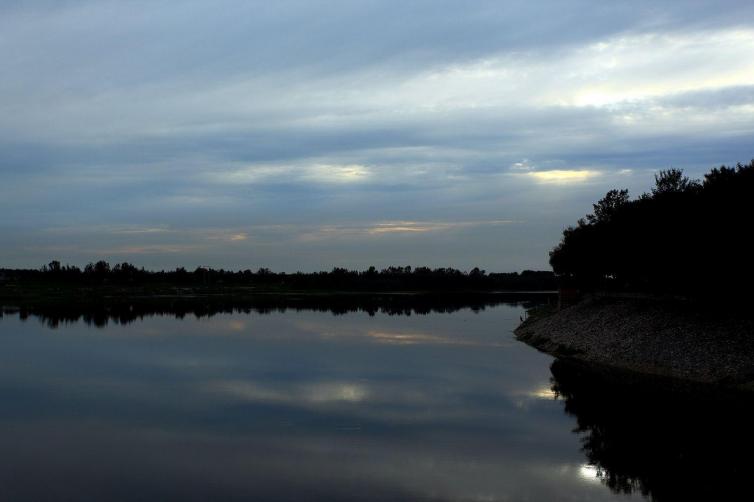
(687, 237)
(389, 279)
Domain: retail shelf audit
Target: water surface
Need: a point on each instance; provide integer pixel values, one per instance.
(292, 405)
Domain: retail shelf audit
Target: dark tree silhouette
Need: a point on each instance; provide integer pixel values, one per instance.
(393, 278)
(685, 237)
(673, 181)
(608, 206)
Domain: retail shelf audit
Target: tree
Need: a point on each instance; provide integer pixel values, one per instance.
(101, 268)
(607, 206)
(683, 237)
(672, 181)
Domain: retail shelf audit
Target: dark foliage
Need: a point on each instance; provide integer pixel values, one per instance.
(686, 237)
(339, 279)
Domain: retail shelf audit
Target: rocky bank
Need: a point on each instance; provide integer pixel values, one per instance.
(672, 339)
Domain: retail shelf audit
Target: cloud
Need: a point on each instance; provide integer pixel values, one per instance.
(420, 227)
(365, 125)
(632, 68)
(563, 176)
(524, 165)
(136, 250)
(403, 227)
(325, 173)
(388, 228)
(288, 173)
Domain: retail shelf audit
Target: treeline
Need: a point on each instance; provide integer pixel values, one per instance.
(388, 279)
(687, 237)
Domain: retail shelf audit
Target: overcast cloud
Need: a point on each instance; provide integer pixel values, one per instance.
(308, 134)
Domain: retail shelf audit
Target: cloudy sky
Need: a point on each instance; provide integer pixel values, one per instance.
(299, 135)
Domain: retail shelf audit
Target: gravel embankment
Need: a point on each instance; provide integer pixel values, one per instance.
(670, 339)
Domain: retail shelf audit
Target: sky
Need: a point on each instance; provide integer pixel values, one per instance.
(303, 135)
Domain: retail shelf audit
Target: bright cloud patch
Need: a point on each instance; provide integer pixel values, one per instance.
(409, 227)
(653, 65)
(325, 173)
(563, 176)
(306, 173)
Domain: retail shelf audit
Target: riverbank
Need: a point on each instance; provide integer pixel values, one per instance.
(673, 340)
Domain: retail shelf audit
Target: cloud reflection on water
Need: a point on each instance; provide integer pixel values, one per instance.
(297, 404)
(320, 392)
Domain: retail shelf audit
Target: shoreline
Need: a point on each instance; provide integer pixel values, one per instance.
(674, 343)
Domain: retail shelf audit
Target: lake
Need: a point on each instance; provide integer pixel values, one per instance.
(299, 404)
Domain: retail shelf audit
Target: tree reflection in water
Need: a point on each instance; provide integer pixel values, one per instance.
(127, 310)
(665, 443)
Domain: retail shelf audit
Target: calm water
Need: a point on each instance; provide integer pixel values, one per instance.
(306, 405)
